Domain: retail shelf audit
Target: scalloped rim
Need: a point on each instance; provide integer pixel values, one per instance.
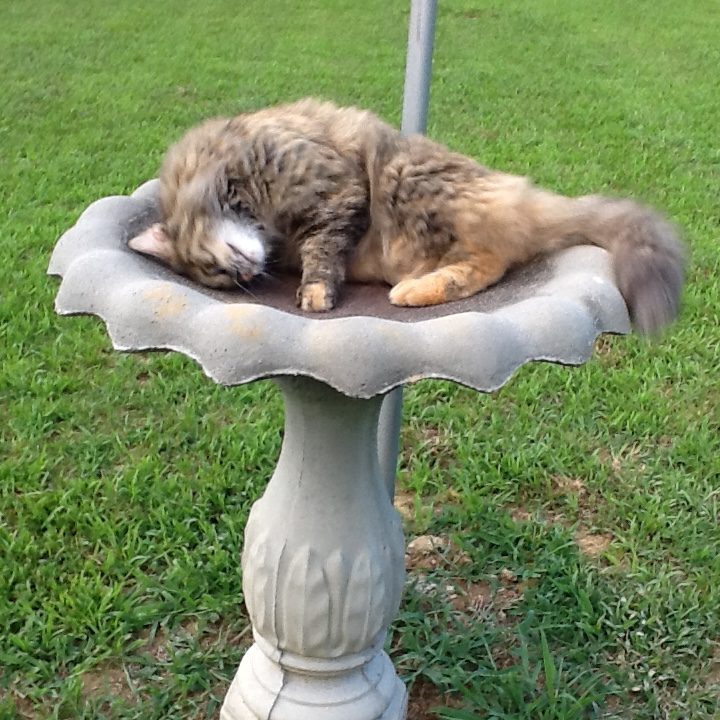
(238, 343)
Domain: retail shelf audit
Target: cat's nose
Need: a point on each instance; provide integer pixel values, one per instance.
(245, 267)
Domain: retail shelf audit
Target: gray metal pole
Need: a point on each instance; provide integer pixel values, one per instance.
(419, 63)
(416, 97)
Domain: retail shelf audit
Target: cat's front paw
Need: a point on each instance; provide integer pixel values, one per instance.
(316, 296)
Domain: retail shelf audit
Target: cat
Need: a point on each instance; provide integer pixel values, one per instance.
(338, 194)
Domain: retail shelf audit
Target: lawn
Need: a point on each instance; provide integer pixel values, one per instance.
(577, 564)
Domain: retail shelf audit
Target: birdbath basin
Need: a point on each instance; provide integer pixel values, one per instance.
(323, 558)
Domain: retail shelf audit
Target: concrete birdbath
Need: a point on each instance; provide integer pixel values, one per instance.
(323, 556)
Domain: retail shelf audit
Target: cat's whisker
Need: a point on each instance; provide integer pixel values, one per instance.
(245, 288)
(267, 276)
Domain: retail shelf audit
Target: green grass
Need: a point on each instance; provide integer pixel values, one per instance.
(125, 481)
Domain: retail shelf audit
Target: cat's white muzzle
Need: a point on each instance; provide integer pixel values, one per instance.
(246, 249)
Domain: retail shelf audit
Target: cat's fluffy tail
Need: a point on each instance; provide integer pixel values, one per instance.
(648, 256)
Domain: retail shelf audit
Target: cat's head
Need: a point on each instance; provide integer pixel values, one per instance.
(200, 234)
(227, 252)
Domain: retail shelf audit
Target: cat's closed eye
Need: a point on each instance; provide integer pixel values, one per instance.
(240, 208)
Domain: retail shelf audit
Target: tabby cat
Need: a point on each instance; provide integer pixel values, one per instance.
(337, 194)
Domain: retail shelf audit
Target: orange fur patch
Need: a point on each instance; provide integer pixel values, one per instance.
(452, 282)
(417, 292)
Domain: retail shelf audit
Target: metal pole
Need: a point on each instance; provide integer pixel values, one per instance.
(419, 63)
(416, 97)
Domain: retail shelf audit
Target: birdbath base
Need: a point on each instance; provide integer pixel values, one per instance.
(323, 570)
(297, 696)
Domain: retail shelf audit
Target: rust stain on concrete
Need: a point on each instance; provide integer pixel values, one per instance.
(243, 322)
(166, 300)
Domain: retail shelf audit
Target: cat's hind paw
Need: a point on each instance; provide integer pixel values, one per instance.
(316, 296)
(418, 292)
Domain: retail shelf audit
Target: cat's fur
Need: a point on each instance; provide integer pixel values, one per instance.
(336, 193)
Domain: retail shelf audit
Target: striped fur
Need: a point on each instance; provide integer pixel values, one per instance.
(336, 193)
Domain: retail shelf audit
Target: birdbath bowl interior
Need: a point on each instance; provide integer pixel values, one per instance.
(323, 555)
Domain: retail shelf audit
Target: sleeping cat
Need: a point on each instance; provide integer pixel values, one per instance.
(336, 193)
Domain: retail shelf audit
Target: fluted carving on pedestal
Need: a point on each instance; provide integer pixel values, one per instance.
(320, 607)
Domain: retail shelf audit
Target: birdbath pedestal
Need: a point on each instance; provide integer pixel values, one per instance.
(322, 562)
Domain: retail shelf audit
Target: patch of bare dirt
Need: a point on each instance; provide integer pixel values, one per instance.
(424, 696)
(404, 503)
(471, 599)
(509, 594)
(157, 645)
(428, 552)
(520, 514)
(24, 707)
(479, 599)
(592, 544)
(106, 680)
(713, 676)
(566, 484)
(221, 633)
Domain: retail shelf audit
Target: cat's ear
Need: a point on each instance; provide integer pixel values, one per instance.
(206, 192)
(154, 241)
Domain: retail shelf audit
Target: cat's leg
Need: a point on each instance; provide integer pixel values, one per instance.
(450, 282)
(324, 253)
(323, 271)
